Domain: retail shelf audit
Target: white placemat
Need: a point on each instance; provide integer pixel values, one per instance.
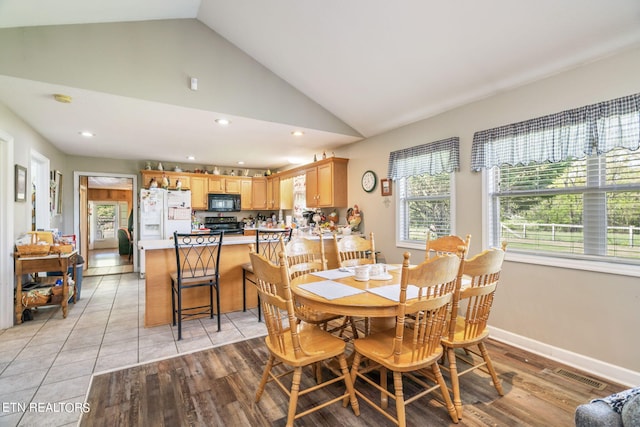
(330, 290)
(333, 274)
(392, 292)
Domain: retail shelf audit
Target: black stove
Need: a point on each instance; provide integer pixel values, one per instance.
(228, 224)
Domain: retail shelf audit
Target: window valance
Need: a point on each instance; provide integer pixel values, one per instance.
(576, 133)
(432, 158)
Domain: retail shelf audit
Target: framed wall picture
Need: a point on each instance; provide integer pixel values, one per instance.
(385, 186)
(21, 183)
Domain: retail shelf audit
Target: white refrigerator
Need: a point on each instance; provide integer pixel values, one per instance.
(164, 211)
(161, 213)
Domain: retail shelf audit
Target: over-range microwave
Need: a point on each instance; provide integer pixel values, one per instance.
(223, 202)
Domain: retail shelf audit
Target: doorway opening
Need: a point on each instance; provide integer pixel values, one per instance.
(105, 211)
(39, 196)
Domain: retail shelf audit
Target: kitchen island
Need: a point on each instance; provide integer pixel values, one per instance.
(160, 259)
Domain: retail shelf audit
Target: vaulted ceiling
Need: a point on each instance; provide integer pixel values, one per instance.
(369, 66)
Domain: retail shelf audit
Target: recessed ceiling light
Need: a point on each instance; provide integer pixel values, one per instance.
(223, 122)
(87, 134)
(241, 162)
(191, 158)
(297, 133)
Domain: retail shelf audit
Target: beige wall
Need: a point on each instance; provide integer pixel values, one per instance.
(145, 60)
(27, 140)
(592, 314)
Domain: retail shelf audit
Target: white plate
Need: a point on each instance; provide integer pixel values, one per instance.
(382, 277)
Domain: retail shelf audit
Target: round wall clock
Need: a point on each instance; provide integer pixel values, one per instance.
(369, 181)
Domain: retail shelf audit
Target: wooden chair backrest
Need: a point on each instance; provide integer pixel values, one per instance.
(277, 304)
(197, 254)
(355, 250)
(484, 271)
(304, 256)
(447, 245)
(436, 280)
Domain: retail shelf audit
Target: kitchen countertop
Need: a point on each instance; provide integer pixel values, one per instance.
(168, 243)
(230, 239)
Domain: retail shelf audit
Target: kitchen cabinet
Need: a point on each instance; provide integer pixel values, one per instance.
(232, 185)
(326, 186)
(184, 178)
(326, 183)
(259, 193)
(147, 176)
(246, 195)
(199, 190)
(273, 192)
(286, 193)
(216, 184)
(224, 184)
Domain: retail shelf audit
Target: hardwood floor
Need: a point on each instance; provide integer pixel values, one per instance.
(217, 387)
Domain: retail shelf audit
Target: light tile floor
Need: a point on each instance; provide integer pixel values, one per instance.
(46, 364)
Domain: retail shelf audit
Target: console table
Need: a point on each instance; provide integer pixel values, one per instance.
(59, 263)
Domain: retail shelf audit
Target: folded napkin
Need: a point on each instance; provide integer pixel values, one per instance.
(334, 274)
(330, 290)
(392, 292)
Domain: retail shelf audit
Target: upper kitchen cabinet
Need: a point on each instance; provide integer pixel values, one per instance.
(259, 193)
(232, 185)
(199, 190)
(224, 184)
(172, 177)
(326, 183)
(273, 192)
(216, 184)
(246, 194)
(286, 193)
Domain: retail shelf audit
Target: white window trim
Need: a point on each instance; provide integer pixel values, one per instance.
(452, 195)
(570, 263)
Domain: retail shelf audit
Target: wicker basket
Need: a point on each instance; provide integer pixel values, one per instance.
(35, 297)
(61, 249)
(33, 250)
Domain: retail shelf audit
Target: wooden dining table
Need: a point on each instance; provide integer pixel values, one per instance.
(381, 310)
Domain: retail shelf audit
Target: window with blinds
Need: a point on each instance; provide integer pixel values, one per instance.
(579, 208)
(424, 176)
(424, 207)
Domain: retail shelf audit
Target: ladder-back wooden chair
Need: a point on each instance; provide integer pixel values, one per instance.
(292, 346)
(305, 256)
(469, 329)
(268, 244)
(355, 250)
(352, 251)
(198, 265)
(447, 245)
(407, 349)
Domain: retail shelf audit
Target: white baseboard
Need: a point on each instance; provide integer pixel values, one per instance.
(598, 368)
